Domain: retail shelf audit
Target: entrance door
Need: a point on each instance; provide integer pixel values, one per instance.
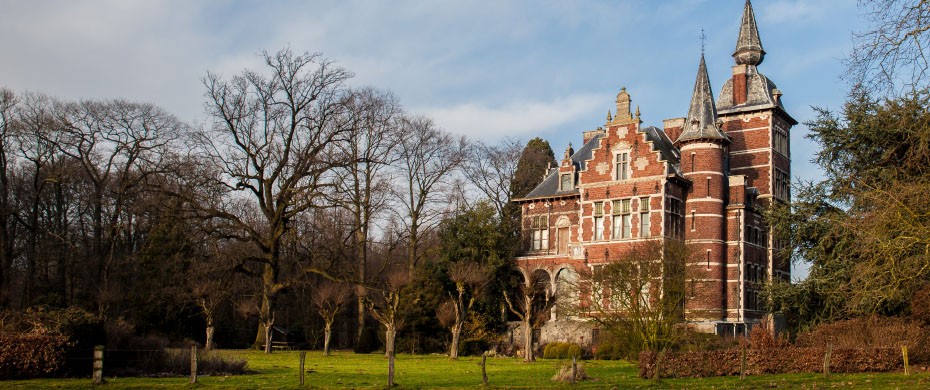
(563, 241)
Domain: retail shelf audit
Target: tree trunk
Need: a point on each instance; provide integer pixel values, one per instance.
(528, 341)
(327, 333)
(208, 344)
(268, 337)
(389, 335)
(391, 370)
(361, 242)
(456, 333)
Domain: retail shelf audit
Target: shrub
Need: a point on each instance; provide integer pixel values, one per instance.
(562, 350)
(574, 350)
(31, 355)
(547, 351)
(871, 332)
(178, 362)
(605, 351)
(565, 373)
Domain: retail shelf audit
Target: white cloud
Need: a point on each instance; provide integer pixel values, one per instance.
(513, 119)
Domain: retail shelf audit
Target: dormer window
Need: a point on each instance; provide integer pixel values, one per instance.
(622, 166)
(565, 182)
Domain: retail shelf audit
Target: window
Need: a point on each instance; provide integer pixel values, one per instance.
(644, 223)
(782, 188)
(540, 228)
(676, 220)
(598, 221)
(622, 218)
(780, 140)
(622, 166)
(566, 182)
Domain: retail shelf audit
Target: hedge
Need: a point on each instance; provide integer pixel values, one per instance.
(31, 355)
(769, 361)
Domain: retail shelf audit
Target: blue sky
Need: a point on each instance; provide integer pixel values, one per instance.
(487, 69)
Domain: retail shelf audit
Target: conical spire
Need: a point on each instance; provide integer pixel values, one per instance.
(748, 45)
(702, 116)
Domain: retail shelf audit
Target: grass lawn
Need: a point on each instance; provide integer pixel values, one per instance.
(349, 370)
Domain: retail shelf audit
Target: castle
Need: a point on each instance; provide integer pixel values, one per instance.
(704, 179)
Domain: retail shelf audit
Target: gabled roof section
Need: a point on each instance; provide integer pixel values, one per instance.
(701, 122)
(550, 185)
(748, 45)
(662, 144)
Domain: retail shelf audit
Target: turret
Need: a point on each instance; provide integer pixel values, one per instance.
(704, 151)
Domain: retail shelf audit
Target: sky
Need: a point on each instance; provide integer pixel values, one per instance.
(485, 69)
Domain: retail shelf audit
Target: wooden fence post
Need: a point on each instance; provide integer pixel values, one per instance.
(484, 372)
(194, 364)
(904, 354)
(303, 372)
(98, 364)
(826, 359)
(742, 363)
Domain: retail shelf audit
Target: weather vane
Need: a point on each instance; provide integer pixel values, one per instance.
(703, 41)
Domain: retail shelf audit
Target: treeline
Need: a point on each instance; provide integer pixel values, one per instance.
(304, 201)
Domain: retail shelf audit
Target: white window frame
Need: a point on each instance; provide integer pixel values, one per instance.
(622, 165)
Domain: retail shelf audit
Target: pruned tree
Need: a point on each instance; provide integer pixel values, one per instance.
(531, 304)
(427, 157)
(891, 56)
(638, 296)
(276, 140)
(386, 303)
(470, 280)
(330, 298)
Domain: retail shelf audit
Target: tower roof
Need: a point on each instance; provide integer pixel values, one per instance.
(748, 45)
(702, 116)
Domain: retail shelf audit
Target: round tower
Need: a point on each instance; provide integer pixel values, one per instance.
(704, 151)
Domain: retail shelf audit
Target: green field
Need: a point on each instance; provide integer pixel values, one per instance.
(349, 370)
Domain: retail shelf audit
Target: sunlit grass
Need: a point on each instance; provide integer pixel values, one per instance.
(349, 370)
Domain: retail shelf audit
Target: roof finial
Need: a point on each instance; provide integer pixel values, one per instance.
(609, 117)
(748, 45)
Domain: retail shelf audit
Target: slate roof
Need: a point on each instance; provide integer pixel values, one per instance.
(701, 123)
(550, 185)
(667, 150)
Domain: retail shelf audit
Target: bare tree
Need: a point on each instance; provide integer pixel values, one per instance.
(531, 305)
(470, 280)
(329, 298)
(892, 56)
(427, 157)
(118, 145)
(276, 139)
(491, 169)
(8, 103)
(363, 186)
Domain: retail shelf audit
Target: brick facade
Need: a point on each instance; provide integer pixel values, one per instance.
(704, 179)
